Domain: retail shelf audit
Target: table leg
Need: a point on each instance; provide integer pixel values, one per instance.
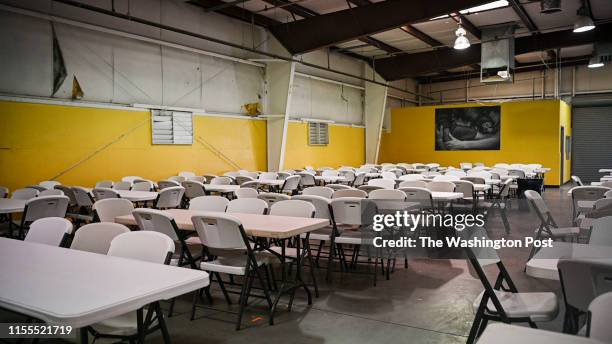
(162, 322)
(84, 335)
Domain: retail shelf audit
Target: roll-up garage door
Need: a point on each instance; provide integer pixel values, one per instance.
(592, 141)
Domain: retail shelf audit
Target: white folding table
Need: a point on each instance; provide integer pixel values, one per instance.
(221, 188)
(544, 262)
(134, 196)
(10, 205)
(69, 287)
(497, 333)
(331, 179)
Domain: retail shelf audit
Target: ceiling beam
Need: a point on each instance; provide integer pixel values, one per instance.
(522, 68)
(412, 65)
(522, 14)
(308, 13)
(224, 5)
(236, 12)
(328, 29)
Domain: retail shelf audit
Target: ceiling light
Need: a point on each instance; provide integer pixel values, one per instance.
(595, 62)
(461, 42)
(584, 22)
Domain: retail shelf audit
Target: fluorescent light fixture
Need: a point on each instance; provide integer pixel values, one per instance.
(488, 6)
(594, 62)
(461, 42)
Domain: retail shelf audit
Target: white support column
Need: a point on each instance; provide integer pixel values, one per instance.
(279, 83)
(375, 103)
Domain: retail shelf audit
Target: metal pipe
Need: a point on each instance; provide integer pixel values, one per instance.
(220, 41)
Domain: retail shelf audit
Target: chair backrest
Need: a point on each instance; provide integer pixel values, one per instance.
(583, 280)
(142, 186)
(601, 233)
(353, 211)
(447, 177)
(383, 183)
(4, 191)
(407, 177)
(474, 180)
(387, 194)
(122, 185)
(465, 187)
(220, 231)
(420, 195)
(349, 175)
(465, 165)
(608, 194)
(82, 196)
(170, 197)
(49, 184)
(320, 203)
(413, 184)
(251, 185)
(294, 208)
(268, 176)
(388, 175)
(577, 181)
(291, 184)
(338, 187)
(209, 178)
(252, 175)
(283, 175)
(209, 203)
(97, 237)
(187, 174)
(53, 192)
(156, 221)
(67, 192)
(25, 193)
(100, 194)
(272, 198)
(441, 186)
(200, 179)
(105, 184)
(246, 192)
(49, 231)
(607, 184)
(308, 178)
(329, 173)
(458, 173)
(589, 193)
(146, 246)
(178, 179)
(359, 179)
(598, 322)
(36, 187)
(538, 204)
(193, 189)
(247, 206)
(46, 206)
(163, 184)
(431, 174)
(243, 179)
(355, 193)
(516, 173)
(130, 179)
(322, 191)
(221, 181)
(108, 209)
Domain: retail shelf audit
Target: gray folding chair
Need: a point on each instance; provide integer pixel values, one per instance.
(598, 318)
(41, 207)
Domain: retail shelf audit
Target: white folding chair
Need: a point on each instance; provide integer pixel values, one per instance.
(350, 193)
(247, 206)
(100, 194)
(411, 177)
(170, 197)
(130, 179)
(388, 175)
(225, 233)
(53, 231)
(307, 179)
(413, 184)
(221, 181)
(585, 193)
(193, 189)
(446, 177)
(322, 211)
(146, 246)
(441, 186)
(420, 195)
(383, 183)
(53, 192)
(122, 185)
(49, 184)
(598, 318)
(84, 202)
(163, 184)
(268, 176)
(106, 210)
(142, 186)
(246, 192)
(25, 193)
(601, 231)
(209, 203)
(97, 237)
(291, 185)
(105, 184)
(178, 179)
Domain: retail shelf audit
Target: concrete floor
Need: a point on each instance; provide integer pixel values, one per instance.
(430, 302)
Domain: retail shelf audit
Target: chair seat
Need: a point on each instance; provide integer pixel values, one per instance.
(563, 231)
(320, 234)
(352, 238)
(234, 265)
(122, 325)
(536, 306)
(194, 240)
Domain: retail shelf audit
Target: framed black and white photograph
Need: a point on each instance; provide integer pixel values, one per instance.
(468, 128)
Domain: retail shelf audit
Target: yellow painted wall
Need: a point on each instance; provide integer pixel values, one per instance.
(565, 120)
(346, 147)
(529, 134)
(86, 145)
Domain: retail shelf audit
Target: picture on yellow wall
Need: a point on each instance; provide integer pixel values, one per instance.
(468, 128)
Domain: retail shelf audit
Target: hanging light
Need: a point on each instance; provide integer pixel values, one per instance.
(584, 22)
(461, 42)
(595, 62)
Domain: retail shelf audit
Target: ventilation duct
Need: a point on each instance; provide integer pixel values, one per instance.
(550, 6)
(497, 57)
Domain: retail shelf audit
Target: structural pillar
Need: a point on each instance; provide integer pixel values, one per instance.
(375, 103)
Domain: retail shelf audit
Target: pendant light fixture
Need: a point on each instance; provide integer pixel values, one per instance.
(462, 42)
(584, 22)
